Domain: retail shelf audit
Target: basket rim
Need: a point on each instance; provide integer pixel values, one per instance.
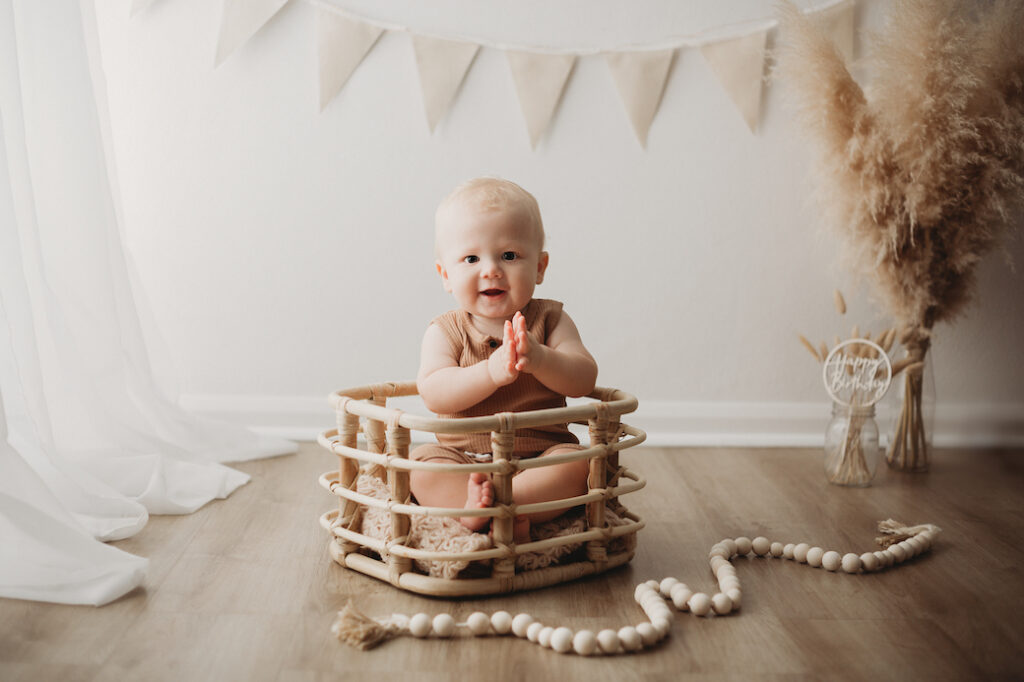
(612, 402)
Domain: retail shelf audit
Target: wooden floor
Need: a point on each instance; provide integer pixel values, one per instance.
(244, 588)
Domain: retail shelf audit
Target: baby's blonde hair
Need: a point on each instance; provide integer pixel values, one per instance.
(495, 194)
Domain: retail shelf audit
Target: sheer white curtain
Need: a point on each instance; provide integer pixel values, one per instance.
(89, 443)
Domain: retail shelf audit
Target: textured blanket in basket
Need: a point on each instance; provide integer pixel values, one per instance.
(446, 534)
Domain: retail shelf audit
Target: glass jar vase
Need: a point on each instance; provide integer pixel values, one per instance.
(851, 445)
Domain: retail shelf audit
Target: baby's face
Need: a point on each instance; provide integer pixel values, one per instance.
(489, 260)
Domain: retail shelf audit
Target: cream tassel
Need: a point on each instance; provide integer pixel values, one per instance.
(895, 531)
(361, 631)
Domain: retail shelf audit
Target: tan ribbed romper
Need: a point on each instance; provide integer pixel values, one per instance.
(471, 346)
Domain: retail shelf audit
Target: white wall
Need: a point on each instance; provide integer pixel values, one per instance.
(287, 252)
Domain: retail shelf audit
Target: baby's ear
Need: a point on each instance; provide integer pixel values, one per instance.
(542, 266)
(444, 276)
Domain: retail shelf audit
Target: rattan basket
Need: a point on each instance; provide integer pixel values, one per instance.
(386, 432)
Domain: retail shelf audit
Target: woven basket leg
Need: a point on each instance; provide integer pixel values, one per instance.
(398, 482)
(599, 435)
(504, 568)
(348, 472)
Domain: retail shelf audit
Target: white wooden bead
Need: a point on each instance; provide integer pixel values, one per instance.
(630, 639)
(729, 583)
(700, 604)
(831, 560)
(787, 551)
(419, 625)
(721, 604)
(681, 594)
(869, 561)
(851, 563)
(777, 549)
(917, 543)
(662, 624)
(884, 559)
(653, 584)
(561, 640)
(717, 563)
(665, 588)
(898, 553)
(743, 545)
(444, 625)
(735, 596)
(478, 623)
(533, 632)
(638, 593)
(501, 621)
(800, 552)
(544, 636)
(520, 623)
(608, 640)
(647, 633)
(719, 550)
(761, 545)
(730, 545)
(584, 642)
(814, 555)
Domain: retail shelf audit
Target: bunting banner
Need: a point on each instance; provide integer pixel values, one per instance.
(739, 65)
(442, 64)
(735, 55)
(342, 43)
(240, 20)
(540, 80)
(640, 78)
(837, 22)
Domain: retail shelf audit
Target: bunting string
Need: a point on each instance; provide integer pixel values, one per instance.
(735, 53)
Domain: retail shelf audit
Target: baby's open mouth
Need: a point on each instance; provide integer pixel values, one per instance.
(492, 292)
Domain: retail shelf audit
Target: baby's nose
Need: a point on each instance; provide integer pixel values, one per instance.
(491, 268)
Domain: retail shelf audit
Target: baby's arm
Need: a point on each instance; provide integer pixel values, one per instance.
(447, 388)
(564, 365)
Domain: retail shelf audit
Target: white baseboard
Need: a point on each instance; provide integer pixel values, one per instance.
(667, 423)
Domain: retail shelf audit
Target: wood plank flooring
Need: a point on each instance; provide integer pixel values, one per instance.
(244, 588)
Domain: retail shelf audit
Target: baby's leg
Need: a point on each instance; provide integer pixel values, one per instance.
(544, 484)
(437, 489)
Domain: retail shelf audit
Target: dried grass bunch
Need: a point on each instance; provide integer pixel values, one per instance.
(923, 171)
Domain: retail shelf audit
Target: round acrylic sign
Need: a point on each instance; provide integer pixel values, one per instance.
(857, 373)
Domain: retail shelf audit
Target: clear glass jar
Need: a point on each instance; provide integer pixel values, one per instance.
(851, 445)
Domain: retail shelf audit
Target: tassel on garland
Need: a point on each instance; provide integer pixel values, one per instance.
(895, 532)
(362, 632)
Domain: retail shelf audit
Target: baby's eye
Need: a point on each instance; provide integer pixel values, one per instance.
(471, 259)
(508, 255)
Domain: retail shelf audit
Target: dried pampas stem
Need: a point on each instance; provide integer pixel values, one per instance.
(810, 348)
(840, 302)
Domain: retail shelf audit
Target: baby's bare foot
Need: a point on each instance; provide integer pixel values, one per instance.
(479, 495)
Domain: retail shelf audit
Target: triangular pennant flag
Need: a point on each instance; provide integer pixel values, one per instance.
(837, 23)
(343, 43)
(640, 78)
(739, 65)
(540, 80)
(443, 65)
(240, 20)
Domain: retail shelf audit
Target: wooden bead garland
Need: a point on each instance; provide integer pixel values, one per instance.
(900, 544)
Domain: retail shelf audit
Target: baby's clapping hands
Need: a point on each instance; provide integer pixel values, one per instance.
(517, 353)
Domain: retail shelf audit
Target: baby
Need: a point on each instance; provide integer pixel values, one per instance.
(501, 351)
